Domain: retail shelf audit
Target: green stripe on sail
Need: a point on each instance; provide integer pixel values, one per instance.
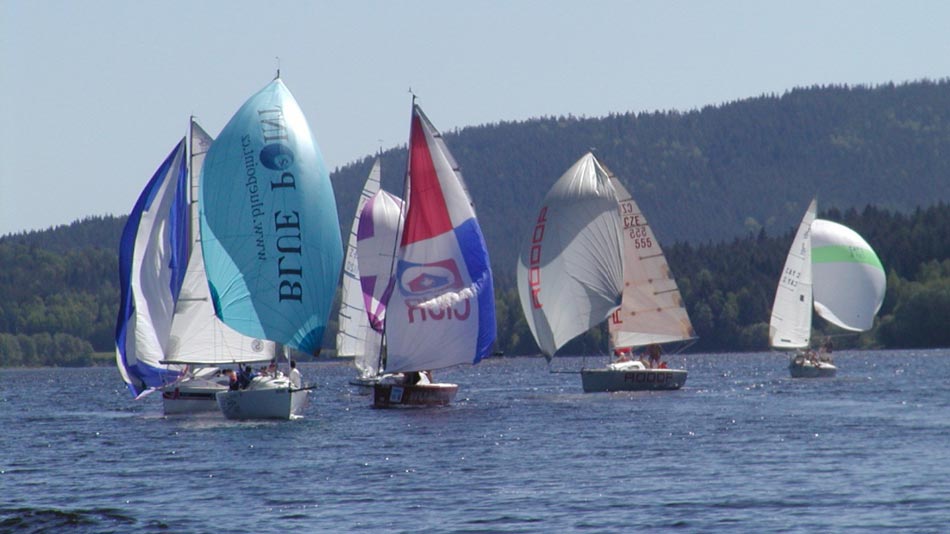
(845, 254)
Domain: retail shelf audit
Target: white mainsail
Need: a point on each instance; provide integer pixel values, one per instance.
(849, 278)
(790, 325)
(354, 336)
(652, 309)
(570, 271)
(197, 335)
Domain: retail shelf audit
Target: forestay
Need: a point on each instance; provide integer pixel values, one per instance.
(269, 226)
(442, 311)
(849, 279)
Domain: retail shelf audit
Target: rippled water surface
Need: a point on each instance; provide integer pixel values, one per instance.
(742, 448)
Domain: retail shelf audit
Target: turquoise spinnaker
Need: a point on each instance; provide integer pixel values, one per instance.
(269, 228)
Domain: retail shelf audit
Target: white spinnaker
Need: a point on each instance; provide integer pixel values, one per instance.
(849, 279)
(354, 336)
(790, 324)
(570, 271)
(379, 233)
(197, 335)
(652, 309)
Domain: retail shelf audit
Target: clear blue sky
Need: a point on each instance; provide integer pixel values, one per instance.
(95, 93)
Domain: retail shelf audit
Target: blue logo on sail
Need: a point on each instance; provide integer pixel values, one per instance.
(429, 279)
(277, 157)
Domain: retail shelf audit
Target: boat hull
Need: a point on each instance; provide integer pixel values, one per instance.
(191, 395)
(267, 400)
(395, 395)
(810, 370)
(185, 400)
(602, 380)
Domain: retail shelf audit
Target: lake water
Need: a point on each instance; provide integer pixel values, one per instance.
(742, 448)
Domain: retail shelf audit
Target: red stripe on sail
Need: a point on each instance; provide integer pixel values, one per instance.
(428, 215)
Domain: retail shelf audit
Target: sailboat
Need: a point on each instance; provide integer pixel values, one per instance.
(198, 339)
(153, 253)
(833, 269)
(441, 311)
(591, 256)
(271, 242)
(355, 338)
(378, 234)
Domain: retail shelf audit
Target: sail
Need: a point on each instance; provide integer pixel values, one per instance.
(442, 307)
(197, 335)
(269, 228)
(379, 231)
(354, 336)
(380, 225)
(652, 309)
(790, 325)
(570, 271)
(153, 254)
(849, 278)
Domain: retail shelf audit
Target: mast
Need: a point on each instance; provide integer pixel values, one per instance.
(381, 364)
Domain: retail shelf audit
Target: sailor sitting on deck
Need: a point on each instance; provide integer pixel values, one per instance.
(418, 377)
(245, 377)
(232, 379)
(622, 354)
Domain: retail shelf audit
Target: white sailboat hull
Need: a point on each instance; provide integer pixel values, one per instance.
(265, 398)
(603, 380)
(803, 368)
(395, 395)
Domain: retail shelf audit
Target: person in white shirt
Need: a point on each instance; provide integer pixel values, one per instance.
(295, 378)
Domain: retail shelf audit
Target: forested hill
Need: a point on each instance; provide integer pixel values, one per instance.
(711, 174)
(91, 232)
(724, 187)
(56, 308)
